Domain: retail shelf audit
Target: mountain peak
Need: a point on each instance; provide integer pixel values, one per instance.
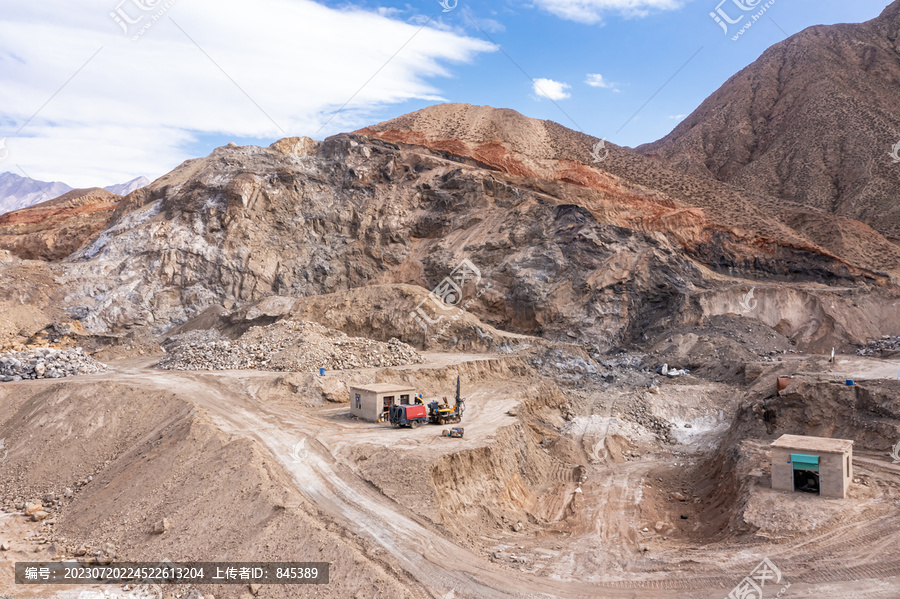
(811, 122)
(475, 125)
(123, 189)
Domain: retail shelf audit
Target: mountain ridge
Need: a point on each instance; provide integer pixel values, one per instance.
(811, 123)
(123, 189)
(610, 253)
(54, 229)
(18, 192)
(691, 208)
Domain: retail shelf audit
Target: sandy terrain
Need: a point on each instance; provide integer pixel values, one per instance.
(611, 528)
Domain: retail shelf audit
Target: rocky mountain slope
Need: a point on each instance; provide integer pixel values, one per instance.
(812, 123)
(508, 218)
(703, 216)
(248, 222)
(54, 229)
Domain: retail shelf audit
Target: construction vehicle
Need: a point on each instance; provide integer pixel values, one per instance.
(455, 433)
(444, 413)
(408, 415)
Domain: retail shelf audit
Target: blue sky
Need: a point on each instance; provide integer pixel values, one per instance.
(638, 54)
(209, 72)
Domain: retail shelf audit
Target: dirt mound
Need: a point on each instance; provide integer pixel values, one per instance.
(379, 312)
(285, 345)
(141, 455)
(868, 412)
(721, 338)
(55, 229)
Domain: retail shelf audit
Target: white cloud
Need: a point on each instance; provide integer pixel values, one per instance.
(133, 109)
(592, 11)
(554, 90)
(485, 23)
(677, 116)
(597, 80)
(387, 11)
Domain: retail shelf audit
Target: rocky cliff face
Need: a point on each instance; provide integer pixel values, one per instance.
(811, 122)
(728, 229)
(249, 222)
(505, 216)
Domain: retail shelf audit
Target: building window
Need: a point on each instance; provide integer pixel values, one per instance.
(848, 465)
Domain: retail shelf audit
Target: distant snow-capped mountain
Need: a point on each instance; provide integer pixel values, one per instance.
(21, 192)
(123, 189)
(17, 192)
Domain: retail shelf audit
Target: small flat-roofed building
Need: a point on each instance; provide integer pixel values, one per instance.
(812, 464)
(372, 402)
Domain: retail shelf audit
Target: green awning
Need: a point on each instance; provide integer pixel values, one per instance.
(802, 461)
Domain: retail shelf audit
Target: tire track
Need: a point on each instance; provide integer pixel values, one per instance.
(440, 566)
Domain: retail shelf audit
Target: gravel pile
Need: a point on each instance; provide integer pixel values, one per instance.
(46, 364)
(874, 348)
(639, 413)
(297, 346)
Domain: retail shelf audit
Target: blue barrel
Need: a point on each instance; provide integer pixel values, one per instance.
(849, 382)
(321, 372)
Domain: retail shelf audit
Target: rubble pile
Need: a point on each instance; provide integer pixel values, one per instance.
(639, 411)
(297, 346)
(642, 416)
(874, 348)
(46, 363)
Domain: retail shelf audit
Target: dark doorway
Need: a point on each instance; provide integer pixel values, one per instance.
(806, 481)
(387, 402)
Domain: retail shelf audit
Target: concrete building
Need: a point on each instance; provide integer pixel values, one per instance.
(371, 402)
(812, 464)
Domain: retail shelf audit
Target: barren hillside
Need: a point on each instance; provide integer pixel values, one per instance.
(630, 190)
(56, 228)
(607, 254)
(812, 122)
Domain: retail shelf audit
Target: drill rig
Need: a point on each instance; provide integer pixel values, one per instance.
(444, 413)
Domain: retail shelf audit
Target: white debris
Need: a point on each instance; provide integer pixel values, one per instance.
(46, 363)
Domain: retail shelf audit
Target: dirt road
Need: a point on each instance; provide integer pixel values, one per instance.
(612, 504)
(602, 554)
